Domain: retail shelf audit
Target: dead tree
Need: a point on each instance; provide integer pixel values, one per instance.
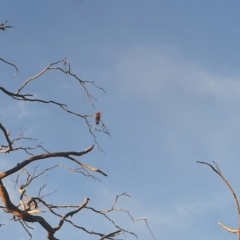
(30, 208)
(216, 169)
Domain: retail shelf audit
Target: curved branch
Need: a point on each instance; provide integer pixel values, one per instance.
(50, 155)
(3, 60)
(37, 75)
(227, 228)
(218, 172)
(86, 200)
(6, 134)
(50, 208)
(66, 71)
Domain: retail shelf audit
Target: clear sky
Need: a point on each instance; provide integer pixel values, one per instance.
(171, 74)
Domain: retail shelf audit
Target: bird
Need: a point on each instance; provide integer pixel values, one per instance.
(97, 117)
(3, 26)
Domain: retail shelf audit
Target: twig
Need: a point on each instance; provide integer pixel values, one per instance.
(3, 60)
(110, 234)
(22, 223)
(103, 212)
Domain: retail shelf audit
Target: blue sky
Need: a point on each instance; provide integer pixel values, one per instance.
(171, 74)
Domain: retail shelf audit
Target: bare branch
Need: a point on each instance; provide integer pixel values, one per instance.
(37, 75)
(67, 71)
(3, 60)
(111, 234)
(84, 204)
(22, 223)
(28, 97)
(25, 97)
(50, 208)
(52, 155)
(231, 190)
(104, 213)
(228, 229)
(87, 166)
(9, 148)
(33, 176)
(6, 134)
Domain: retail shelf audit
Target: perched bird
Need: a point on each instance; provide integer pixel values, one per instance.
(97, 117)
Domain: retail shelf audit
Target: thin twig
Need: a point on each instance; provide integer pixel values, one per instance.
(3, 60)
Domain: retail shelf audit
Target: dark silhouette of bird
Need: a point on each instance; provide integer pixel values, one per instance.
(97, 117)
(4, 27)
